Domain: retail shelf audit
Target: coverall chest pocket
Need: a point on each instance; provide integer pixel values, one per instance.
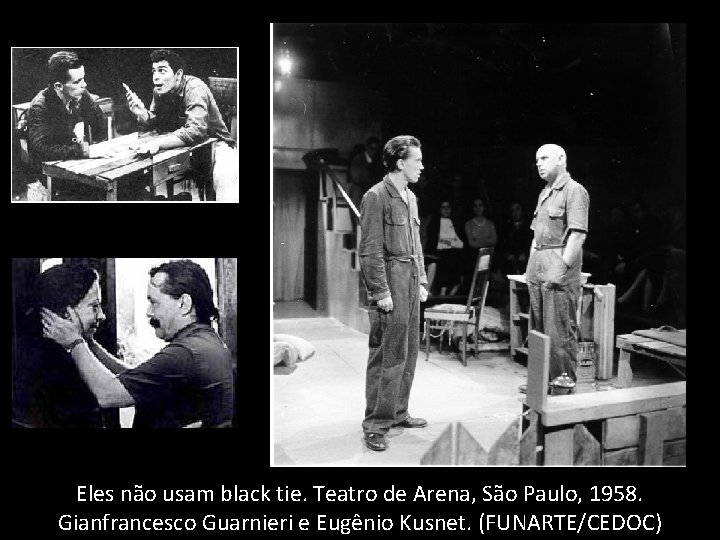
(556, 224)
(396, 229)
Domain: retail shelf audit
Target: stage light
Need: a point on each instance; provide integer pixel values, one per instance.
(285, 63)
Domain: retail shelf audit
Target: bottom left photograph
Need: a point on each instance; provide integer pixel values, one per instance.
(124, 342)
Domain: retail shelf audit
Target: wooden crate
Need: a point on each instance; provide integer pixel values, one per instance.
(631, 426)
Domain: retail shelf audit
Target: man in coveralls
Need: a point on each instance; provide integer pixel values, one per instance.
(393, 268)
(560, 224)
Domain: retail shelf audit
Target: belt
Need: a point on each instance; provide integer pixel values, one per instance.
(402, 258)
(540, 247)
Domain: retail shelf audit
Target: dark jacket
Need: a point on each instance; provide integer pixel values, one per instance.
(433, 233)
(50, 127)
(48, 390)
(390, 232)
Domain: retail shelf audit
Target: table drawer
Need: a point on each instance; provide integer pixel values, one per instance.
(176, 165)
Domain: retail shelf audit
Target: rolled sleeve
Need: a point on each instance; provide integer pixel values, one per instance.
(196, 113)
(372, 262)
(577, 208)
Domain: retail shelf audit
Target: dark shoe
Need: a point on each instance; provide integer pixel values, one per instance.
(376, 441)
(411, 422)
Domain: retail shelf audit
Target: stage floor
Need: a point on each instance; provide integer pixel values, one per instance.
(318, 405)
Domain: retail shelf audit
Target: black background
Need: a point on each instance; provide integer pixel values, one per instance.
(43, 467)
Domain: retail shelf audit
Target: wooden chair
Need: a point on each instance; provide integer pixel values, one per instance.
(224, 90)
(443, 317)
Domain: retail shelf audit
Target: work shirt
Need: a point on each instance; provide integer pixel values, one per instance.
(190, 112)
(561, 208)
(189, 380)
(390, 230)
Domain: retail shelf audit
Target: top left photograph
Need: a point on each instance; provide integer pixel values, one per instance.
(124, 125)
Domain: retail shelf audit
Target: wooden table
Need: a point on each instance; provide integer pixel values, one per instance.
(108, 174)
(631, 344)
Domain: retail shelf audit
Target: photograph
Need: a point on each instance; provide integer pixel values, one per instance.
(124, 124)
(124, 342)
(478, 244)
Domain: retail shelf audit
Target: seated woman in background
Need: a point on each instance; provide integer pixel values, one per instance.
(480, 232)
(443, 250)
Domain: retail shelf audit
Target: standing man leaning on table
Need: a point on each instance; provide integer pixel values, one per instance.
(185, 109)
(61, 116)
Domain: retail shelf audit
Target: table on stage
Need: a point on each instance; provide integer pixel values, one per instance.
(108, 175)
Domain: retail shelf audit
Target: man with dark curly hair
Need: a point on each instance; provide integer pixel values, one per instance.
(184, 108)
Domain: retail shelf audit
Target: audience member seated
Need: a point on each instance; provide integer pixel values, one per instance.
(480, 232)
(515, 241)
(443, 251)
(606, 254)
(366, 170)
(661, 273)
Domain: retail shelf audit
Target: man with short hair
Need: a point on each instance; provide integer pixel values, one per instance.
(560, 225)
(47, 388)
(187, 382)
(184, 108)
(393, 268)
(63, 116)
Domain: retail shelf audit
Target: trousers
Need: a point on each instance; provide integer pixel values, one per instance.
(393, 350)
(553, 312)
(226, 173)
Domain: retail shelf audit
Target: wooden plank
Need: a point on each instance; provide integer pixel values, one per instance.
(100, 166)
(529, 440)
(620, 432)
(558, 447)
(468, 450)
(652, 434)
(441, 450)
(626, 456)
(625, 374)
(574, 408)
(538, 370)
(629, 339)
(676, 421)
(586, 448)
(674, 452)
(663, 347)
(586, 309)
(604, 329)
(506, 450)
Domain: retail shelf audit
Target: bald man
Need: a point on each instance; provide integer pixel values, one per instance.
(560, 225)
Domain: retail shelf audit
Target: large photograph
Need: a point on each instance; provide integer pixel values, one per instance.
(124, 124)
(478, 244)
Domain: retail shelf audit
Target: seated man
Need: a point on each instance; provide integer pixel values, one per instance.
(63, 116)
(189, 381)
(47, 388)
(185, 109)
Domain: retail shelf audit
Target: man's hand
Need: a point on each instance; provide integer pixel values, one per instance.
(423, 293)
(150, 148)
(386, 304)
(137, 107)
(61, 331)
